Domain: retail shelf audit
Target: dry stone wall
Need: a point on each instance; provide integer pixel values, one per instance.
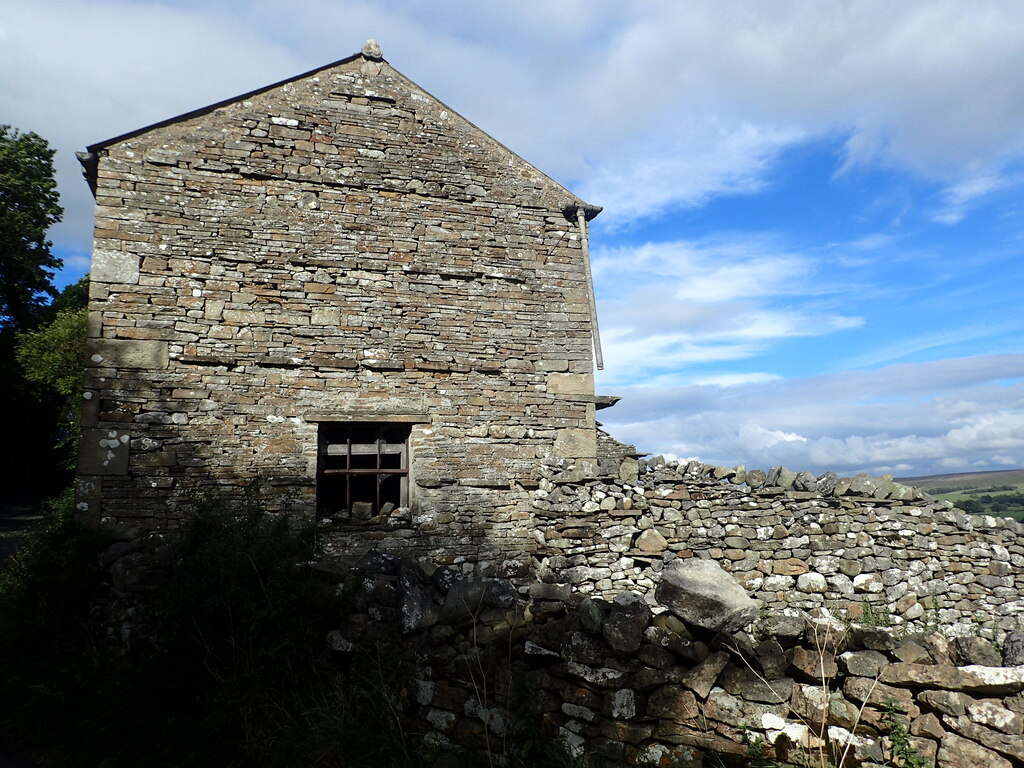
(671, 680)
(339, 247)
(911, 563)
(854, 545)
(683, 613)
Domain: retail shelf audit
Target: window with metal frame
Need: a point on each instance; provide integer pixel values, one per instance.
(362, 469)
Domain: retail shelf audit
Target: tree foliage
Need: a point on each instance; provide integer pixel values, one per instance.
(36, 413)
(52, 361)
(54, 354)
(29, 206)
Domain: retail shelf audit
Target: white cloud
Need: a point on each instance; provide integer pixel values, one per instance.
(735, 379)
(958, 199)
(945, 415)
(716, 268)
(674, 305)
(642, 106)
(686, 164)
(921, 86)
(943, 338)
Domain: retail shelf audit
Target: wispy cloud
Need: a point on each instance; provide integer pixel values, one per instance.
(958, 199)
(735, 379)
(919, 87)
(682, 165)
(643, 107)
(675, 305)
(944, 415)
(941, 339)
(715, 268)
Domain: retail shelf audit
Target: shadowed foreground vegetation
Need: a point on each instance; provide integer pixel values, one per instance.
(237, 673)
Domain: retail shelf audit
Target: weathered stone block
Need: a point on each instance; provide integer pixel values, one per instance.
(862, 663)
(552, 365)
(103, 452)
(958, 752)
(701, 679)
(672, 702)
(651, 541)
(702, 593)
(813, 665)
(143, 354)
(114, 267)
(570, 383)
(575, 443)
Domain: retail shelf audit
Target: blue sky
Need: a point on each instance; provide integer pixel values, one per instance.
(813, 232)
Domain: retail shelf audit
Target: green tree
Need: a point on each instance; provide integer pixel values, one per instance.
(53, 357)
(35, 414)
(29, 206)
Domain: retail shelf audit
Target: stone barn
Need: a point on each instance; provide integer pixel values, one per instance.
(341, 288)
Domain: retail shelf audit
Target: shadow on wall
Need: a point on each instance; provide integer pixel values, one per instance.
(700, 674)
(142, 469)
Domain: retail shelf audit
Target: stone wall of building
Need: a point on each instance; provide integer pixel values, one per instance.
(853, 545)
(341, 247)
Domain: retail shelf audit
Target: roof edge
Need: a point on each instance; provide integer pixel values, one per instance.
(93, 148)
(90, 160)
(571, 197)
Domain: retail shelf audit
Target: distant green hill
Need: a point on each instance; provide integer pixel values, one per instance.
(1000, 492)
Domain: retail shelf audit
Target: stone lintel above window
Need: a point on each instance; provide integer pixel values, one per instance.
(367, 417)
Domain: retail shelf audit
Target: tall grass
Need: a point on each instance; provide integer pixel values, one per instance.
(230, 666)
(232, 671)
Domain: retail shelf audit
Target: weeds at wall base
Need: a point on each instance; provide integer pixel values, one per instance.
(234, 673)
(237, 672)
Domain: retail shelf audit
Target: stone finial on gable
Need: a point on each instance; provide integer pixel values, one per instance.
(371, 50)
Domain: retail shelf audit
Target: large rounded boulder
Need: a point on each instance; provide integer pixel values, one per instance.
(702, 594)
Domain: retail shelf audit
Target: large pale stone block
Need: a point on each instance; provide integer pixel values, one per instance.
(571, 383)
(244, 316)
(702, 593)
(325, 316)
(129, 353)
(576, 443)
(114, 267)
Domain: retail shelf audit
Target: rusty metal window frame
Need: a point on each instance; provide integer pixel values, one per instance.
(336, 439)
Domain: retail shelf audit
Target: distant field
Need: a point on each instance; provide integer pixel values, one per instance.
(967, 480)
(986, 493)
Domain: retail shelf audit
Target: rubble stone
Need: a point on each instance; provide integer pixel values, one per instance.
(701, 593)
(958, 752)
